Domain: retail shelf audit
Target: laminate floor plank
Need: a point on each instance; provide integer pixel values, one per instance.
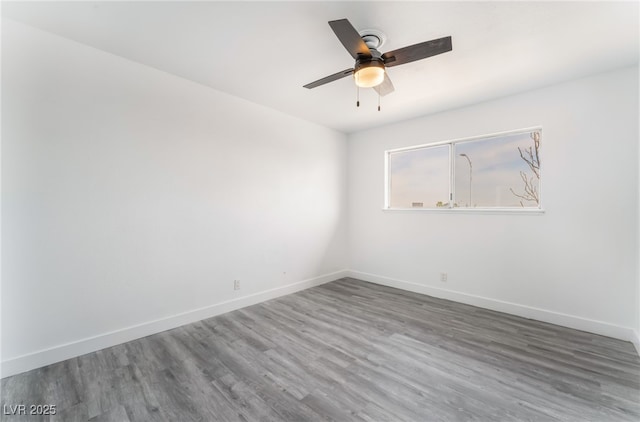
(345, 351)
(77, 413)
(115, 414)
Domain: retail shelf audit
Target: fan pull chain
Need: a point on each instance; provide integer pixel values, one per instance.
(378, 102)
(357, 96)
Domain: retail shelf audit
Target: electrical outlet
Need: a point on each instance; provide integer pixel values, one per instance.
(443, 277)
(236, 284)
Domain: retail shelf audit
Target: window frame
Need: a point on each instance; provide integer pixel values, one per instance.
(452, 194)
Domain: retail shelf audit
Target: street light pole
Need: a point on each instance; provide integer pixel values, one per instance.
(470, 175)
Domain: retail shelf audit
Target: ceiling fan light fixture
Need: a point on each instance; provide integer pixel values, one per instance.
(369, 74)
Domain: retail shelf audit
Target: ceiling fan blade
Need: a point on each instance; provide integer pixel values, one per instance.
(329, 78)
(417, 52)
(386, 87)
(350, 38)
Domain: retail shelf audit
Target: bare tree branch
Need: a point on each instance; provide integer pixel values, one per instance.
(531, 156)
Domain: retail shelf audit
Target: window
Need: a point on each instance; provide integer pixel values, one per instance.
(499, 171)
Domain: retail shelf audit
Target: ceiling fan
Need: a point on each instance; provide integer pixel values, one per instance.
(369, 70)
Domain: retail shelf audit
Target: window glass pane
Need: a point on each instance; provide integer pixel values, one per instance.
(419, 178)
(498, 172)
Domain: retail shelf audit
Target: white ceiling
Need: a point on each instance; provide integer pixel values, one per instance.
(265, 51)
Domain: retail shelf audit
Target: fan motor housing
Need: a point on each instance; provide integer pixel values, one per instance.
(374, 61)
(368, 62)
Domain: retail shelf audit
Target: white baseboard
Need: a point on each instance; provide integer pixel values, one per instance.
(565, 320)
(80, 347)
(636, 341)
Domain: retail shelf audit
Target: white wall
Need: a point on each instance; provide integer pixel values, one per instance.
(133, 198)
(636, 340)
(576, 264)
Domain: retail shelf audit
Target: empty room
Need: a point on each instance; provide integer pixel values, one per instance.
(320, 211)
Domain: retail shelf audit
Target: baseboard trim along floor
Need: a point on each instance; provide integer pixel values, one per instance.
(62, 352)
(348, 350)
(565, 320)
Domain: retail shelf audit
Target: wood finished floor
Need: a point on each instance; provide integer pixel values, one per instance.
(346, 351)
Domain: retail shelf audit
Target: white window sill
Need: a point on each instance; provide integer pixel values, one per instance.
(503, 211)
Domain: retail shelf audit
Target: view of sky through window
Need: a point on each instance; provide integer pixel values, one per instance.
(495, 178)
(501, 171)
(419, 176)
